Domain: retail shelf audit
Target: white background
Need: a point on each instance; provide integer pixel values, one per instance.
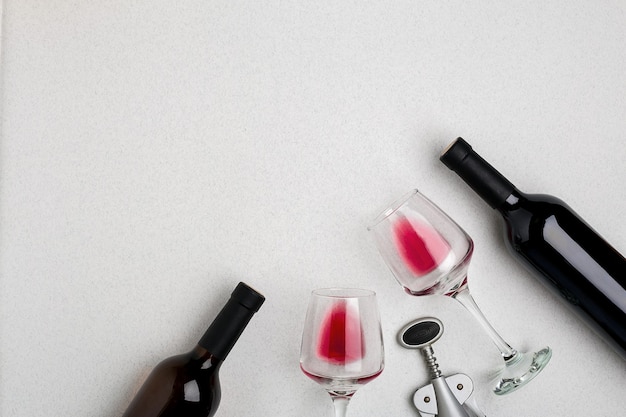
(154, 153)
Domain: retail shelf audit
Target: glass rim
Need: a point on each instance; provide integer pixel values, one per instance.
(340, 292)
(393, 207)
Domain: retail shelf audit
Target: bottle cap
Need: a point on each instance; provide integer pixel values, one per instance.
(492, 186)
(248, 297)
(455, 153)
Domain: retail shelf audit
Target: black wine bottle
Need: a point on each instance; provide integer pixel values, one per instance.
(188, 385)
(547, 236)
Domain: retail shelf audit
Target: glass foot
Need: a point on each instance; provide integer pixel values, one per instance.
(520, 369)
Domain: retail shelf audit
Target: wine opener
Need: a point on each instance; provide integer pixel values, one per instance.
(444, 396)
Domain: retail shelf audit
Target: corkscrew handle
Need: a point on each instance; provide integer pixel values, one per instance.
(420, 333)
(444, 396)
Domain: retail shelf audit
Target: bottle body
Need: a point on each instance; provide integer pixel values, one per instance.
(188, 385)
(183, 385)
(548, 237)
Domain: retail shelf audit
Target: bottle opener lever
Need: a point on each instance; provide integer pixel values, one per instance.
(444, 396)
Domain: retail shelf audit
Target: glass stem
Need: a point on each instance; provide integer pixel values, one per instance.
(465, 298)
(341, 405)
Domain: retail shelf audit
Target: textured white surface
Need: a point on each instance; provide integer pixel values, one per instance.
(154, 153)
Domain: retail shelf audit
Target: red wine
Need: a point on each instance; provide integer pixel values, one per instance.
(188, 385)
(348, 385)
(547, 236)
(420, 246)
(341, 338)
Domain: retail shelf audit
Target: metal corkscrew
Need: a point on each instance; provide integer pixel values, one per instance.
(444, 396)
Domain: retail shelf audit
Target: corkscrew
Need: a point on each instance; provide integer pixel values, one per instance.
(445, 396)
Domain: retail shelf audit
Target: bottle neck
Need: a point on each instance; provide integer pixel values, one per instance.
(225, 330)
(484, 179)
(513, 201)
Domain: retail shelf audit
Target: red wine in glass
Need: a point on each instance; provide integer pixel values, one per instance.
(421, 247)
(341, 337)
(349, 385)
(342, 345)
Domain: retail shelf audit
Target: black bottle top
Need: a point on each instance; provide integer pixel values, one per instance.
(484, 179)
(230, 322)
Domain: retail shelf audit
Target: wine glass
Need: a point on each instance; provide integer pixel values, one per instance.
(342, 344)
(428, 253)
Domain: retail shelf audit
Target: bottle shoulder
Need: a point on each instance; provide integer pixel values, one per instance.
(197, 360)
(176, 361)
(179, 385)
(546, 199)
(541, 220)
(527, 217)
(527, 207)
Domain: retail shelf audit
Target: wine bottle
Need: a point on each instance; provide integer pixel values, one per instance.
(188, 385)
(549, 238)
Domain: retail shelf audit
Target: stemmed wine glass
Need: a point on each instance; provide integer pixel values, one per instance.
(342, 345)
(428, 253)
